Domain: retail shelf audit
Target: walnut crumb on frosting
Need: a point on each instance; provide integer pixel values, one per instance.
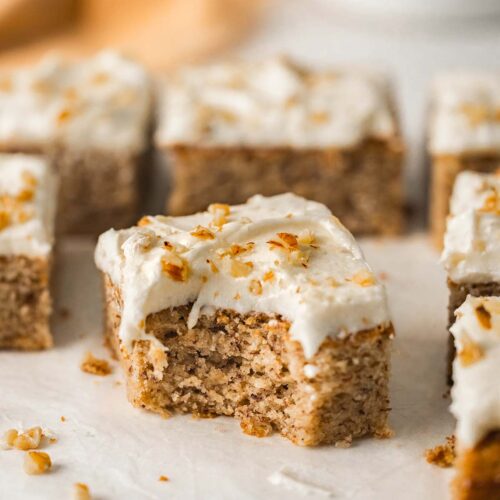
(470, 352)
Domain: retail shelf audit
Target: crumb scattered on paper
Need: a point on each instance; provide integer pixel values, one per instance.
(95, 366)
(442, 455)
(81, 492)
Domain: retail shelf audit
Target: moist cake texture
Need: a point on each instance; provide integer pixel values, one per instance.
(265, 311)
(28, 189)
(476, 398)
(464, 135)
(92, 119)
(234, 129)
(472, 240)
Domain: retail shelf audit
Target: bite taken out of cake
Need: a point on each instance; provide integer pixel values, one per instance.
(265, 311)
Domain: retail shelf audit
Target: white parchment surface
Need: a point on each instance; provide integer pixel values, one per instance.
(120, 451)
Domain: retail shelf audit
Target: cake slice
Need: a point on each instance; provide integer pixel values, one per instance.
(92, 118)
(265, 311)
(472, 241)
(28, 191)
(476, 399)
(235, 129)
(464, 135)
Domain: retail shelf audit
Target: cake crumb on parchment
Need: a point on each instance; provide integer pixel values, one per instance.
(95, 366)
(442, 455)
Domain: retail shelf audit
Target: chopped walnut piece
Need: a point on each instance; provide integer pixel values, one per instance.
(4, 219)
(470, 352)
(28, 440)
(202, 233)
(236, 249)
(9, 436)
(319, 117)
(64, 115)
(240, 269)
(144, 221)
(29, 179)
(36, 462)
(95, 366)
(213, 267)
(306, 237)
(484, 317)
(289, 239)
(255, 287)
(364, 278)
(81, 492)
(163, 479)
(491, 204)
(220, 211)
(442, 455)
(256, 428)
(219, 207)
(26, 194)
(269, 276)
(175, 267)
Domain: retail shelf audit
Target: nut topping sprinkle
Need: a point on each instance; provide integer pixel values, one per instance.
(202, 233)
(483, 316)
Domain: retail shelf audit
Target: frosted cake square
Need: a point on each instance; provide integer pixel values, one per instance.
(265, 311)
(92, 119)
(476, 399)
(472, 241)
(464, 135)
(28, 192)
(235, 129)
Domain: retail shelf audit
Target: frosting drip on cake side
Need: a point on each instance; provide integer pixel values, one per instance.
(465, 113)
(279, 255)
(476, 369)
(102, 102)
(28, 192)
(472, 240)
(273, 103)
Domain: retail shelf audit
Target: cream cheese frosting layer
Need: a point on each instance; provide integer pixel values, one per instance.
(273, 103)
(279, 255)
(476, 369)
(28, 193)
(102, 102)
(472, 241)
(465, 113)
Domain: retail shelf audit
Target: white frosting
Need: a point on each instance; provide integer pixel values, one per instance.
(465, 113)
(28, 192)
(102, 102)
(325, 288)
(476, 389)
(472, 241)
(273, 103)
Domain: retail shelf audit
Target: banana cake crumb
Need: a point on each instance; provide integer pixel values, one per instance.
(95, 366)
(442, 455)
